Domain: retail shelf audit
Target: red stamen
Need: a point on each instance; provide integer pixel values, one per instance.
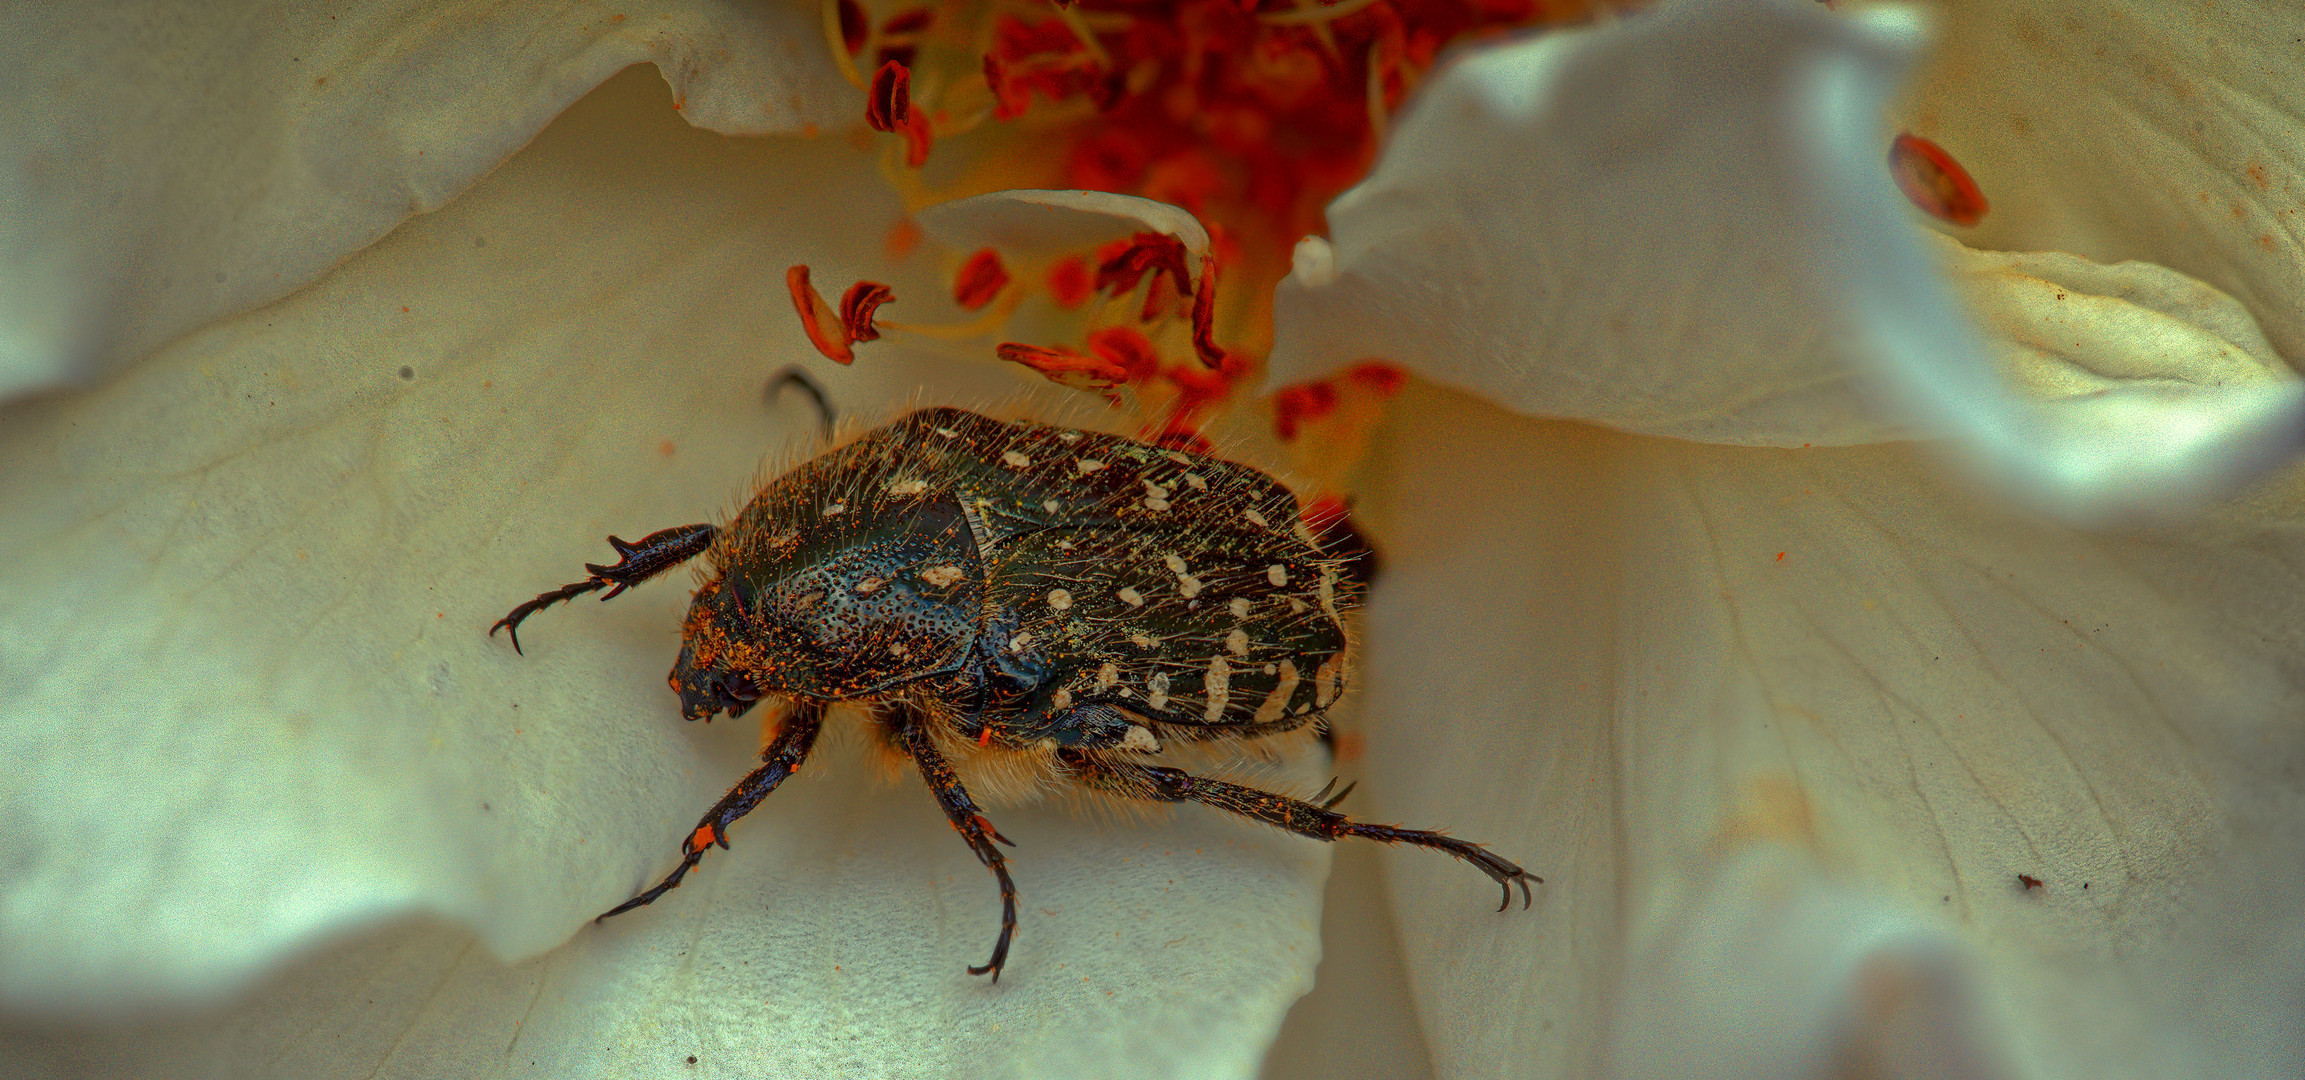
(1127, 348)
(1159, 253)
(853, 28)
(917, 139)
(857, 308)
(1381, 378)
(1935, 182)
(1204, 316)
(1065, 368)
(984, 737)
(910, 21)
(1068, 283)
(1299, 405)
(890, 104)
(826, 329)
(981, 279)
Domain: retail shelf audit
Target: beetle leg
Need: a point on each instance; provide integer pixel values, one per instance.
(911, 729)
(1161, 784)
(635, 562)
(779, 760)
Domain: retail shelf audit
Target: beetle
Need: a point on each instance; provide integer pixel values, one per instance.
(1017, 606)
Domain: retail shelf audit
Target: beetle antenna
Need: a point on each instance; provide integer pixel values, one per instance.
(797, 376)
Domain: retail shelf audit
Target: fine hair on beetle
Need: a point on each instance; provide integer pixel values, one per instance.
(1015, 608)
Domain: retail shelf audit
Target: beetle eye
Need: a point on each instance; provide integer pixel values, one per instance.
(739, 687)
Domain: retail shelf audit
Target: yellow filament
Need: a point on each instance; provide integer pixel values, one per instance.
(1306, 16)
(1080, 29)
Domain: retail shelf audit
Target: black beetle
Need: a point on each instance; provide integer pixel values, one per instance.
(1019, 603)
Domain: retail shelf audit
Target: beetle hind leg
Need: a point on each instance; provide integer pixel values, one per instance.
(911, 730)
(636, 562)
(779, 760)
(1315, 819)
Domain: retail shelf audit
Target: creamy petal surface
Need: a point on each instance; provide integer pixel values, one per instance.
(1629, 663)
(249, 680)
(168, 165)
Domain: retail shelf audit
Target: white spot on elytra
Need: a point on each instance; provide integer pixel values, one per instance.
(1014, 460)
(1087, 465)
(870, 584)
(1240, 607)
(1193, 480)
(1237, 642)
(1050, 506)
(836, 509)
(1157, 691)
(1062, 699)
(1329, 591)
(1017, 644)
(1175, 565)
(1219, 688)
(1108, 676)
(1130, 596)
(907, 487)
(1188, 586)
(1141, 640)
(1139, 739)
(1176, 457)
(1270, 709)
(1298, 607)
(1277, 574)
(940, 576)
(1069, 436)
(1256, 519)
(1327, 680)
(1059, 599)
(947, 432)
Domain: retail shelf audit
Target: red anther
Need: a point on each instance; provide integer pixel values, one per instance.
(909, 21)
(1205, 314)
(1382, 378)
(1043, 56)
(984, 737)
(1064, 367)
(1127, 347)
(1068, 283)
(981, 278)
(857, 307)
(1935, 182)
(1120, 271)
(853, 28)
(890, 104)
(1299, 405)
(825, 328)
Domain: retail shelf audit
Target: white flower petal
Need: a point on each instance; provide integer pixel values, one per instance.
(1598, 224)
(168, 165)
(1682, 225)
(254, 707)
(829, 942)
(2173, 135)
(1773, 972)
(1613, 658)
(2148, 448)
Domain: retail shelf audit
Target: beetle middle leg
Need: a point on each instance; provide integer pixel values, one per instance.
(654, 554)
(779, 760)
(911, 730)
(1314, 819)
